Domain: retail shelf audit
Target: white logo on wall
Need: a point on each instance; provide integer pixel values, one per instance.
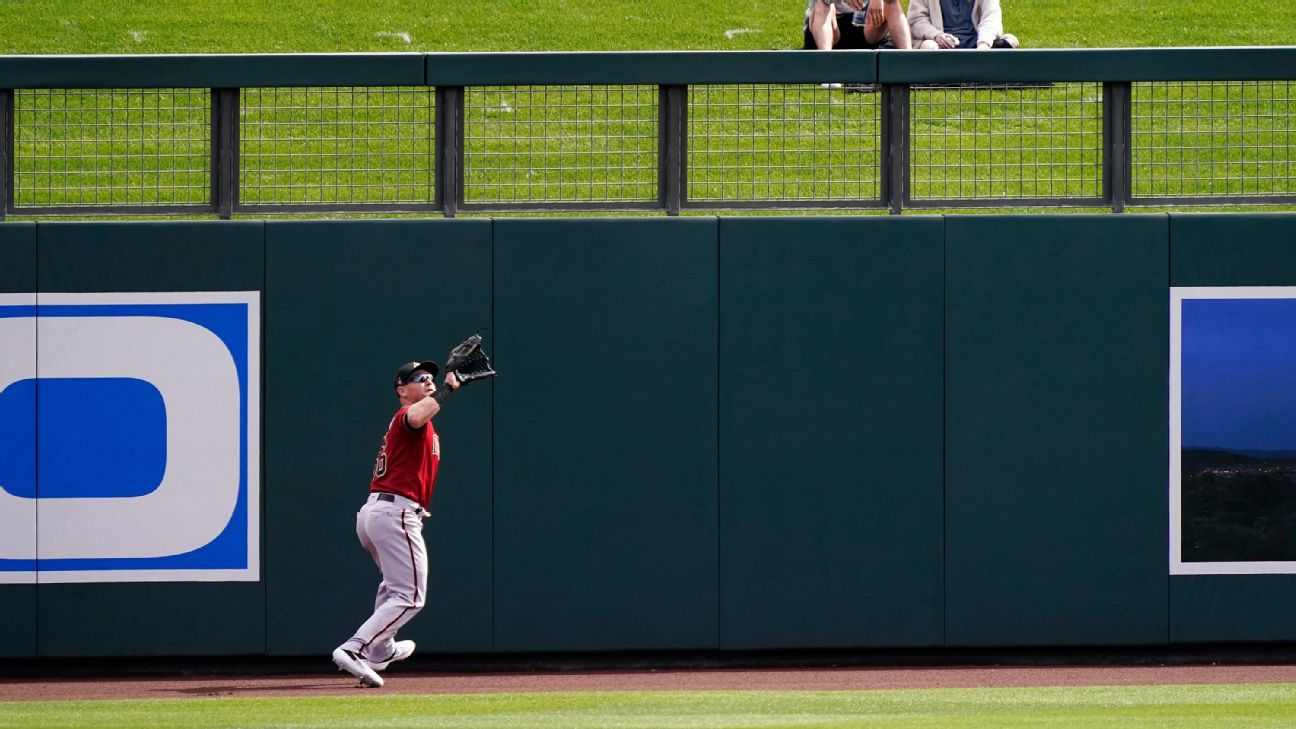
(131, 426)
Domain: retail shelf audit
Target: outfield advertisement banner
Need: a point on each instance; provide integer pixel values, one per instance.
(1232, 430)
(132, 425)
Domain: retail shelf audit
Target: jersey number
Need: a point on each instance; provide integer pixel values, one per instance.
(380, 463)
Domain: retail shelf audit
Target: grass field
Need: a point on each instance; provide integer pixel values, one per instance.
(283, 26)
(1126, 707)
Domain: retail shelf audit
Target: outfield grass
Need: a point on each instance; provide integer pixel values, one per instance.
(283, 26)
(1126, 707)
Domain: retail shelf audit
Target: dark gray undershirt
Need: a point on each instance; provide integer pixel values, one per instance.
(956, 16)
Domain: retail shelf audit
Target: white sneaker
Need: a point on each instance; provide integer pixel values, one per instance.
(354, 665)
(404, 649)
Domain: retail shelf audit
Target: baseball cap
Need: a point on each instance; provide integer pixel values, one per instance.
(409, 368)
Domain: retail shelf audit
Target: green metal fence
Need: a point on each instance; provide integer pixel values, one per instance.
(668, 131)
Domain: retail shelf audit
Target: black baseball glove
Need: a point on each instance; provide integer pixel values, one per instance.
(468, 361)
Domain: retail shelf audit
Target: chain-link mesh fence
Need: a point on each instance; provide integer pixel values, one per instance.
(773, 143)
(1213, 139)
(111, 147)
(565, 144)
(1006, 142)
(312, 146)
(613, 146)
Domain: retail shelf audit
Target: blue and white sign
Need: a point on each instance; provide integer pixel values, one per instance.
(130, 440)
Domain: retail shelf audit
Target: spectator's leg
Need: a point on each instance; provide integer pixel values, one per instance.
(823, 26)
(897, 23)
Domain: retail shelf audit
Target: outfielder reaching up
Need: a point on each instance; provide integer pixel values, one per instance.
(390, 524)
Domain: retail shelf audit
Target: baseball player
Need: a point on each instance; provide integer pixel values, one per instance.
(390, 524)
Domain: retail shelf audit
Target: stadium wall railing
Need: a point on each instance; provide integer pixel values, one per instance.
(648, 131)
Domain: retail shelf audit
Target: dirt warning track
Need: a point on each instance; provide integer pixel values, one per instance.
(810, 679)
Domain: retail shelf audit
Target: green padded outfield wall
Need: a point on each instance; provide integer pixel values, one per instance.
(1232, 250)
(830, 432)
(18, 276)
(605, 434)
(979, 458)
(347, 303)
(1055, 430)
(151, 618)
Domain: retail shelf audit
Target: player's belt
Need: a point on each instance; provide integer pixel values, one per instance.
(384, 496)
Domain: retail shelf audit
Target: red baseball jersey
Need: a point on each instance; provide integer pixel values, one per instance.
(407, 460)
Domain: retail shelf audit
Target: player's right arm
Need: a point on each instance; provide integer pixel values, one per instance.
(424, 410)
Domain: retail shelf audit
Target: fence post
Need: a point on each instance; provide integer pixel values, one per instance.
(449, 155)
(895, 146)
(225, 155)
(6, 151)
(1116, 139)
(672, 147)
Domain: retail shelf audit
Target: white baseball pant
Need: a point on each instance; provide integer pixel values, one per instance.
(392, 533)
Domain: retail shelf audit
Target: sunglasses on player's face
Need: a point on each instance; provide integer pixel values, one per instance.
(421, 377)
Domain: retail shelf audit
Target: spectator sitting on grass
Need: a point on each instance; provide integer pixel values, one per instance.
(958, 24)
(828, 25)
